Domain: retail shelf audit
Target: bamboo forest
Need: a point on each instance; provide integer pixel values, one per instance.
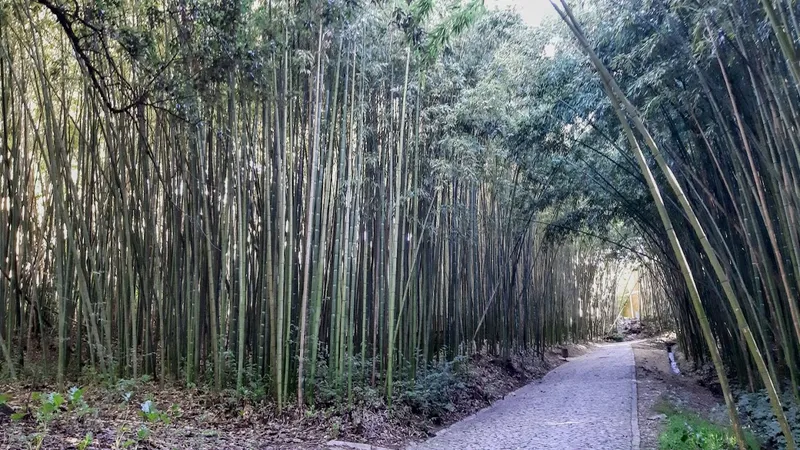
(367, 220)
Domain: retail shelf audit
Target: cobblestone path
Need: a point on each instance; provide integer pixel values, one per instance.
(587, 403)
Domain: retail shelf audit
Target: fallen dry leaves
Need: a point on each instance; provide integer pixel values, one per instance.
(200, 419)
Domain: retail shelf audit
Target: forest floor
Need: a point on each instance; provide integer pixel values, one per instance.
(659, 390)
(200, 419)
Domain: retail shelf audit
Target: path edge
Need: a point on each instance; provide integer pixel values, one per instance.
(447, 429)
(635, 436)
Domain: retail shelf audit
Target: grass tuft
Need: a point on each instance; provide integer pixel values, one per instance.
(686, 431)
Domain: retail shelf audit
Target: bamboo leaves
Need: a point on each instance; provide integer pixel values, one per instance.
(327, 213)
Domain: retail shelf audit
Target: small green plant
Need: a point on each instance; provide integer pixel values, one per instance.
(311, 412)
(151, 414)
(77, 404)
(47, 410)
(685, 430)
(143, 433)
(37, 440)
(121, 442)
(86, 441)
(19, 415)
(106, 379)
(48, 406)
(148, 412)
(125, 385)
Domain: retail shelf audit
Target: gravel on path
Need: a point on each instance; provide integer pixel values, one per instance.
(588, 403)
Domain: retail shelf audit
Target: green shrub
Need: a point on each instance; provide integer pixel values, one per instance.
(86, 441)
(50, 407)
(432, 392)
(331, 391)
(757, 408)
(616, 337)
(685, 431)
(150, 413)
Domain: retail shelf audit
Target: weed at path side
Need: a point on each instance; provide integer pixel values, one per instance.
(685, 430)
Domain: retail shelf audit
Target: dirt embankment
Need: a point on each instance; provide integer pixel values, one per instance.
(657, 385)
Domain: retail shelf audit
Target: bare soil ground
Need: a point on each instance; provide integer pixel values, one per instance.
(657, 384)
(199, 419)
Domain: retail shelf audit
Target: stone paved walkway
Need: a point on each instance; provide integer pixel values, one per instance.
(588, 403)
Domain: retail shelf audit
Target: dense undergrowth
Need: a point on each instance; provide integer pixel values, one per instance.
(690, 426)
(238, 192)
(688, 430)
(140, 413)
(756, 409)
